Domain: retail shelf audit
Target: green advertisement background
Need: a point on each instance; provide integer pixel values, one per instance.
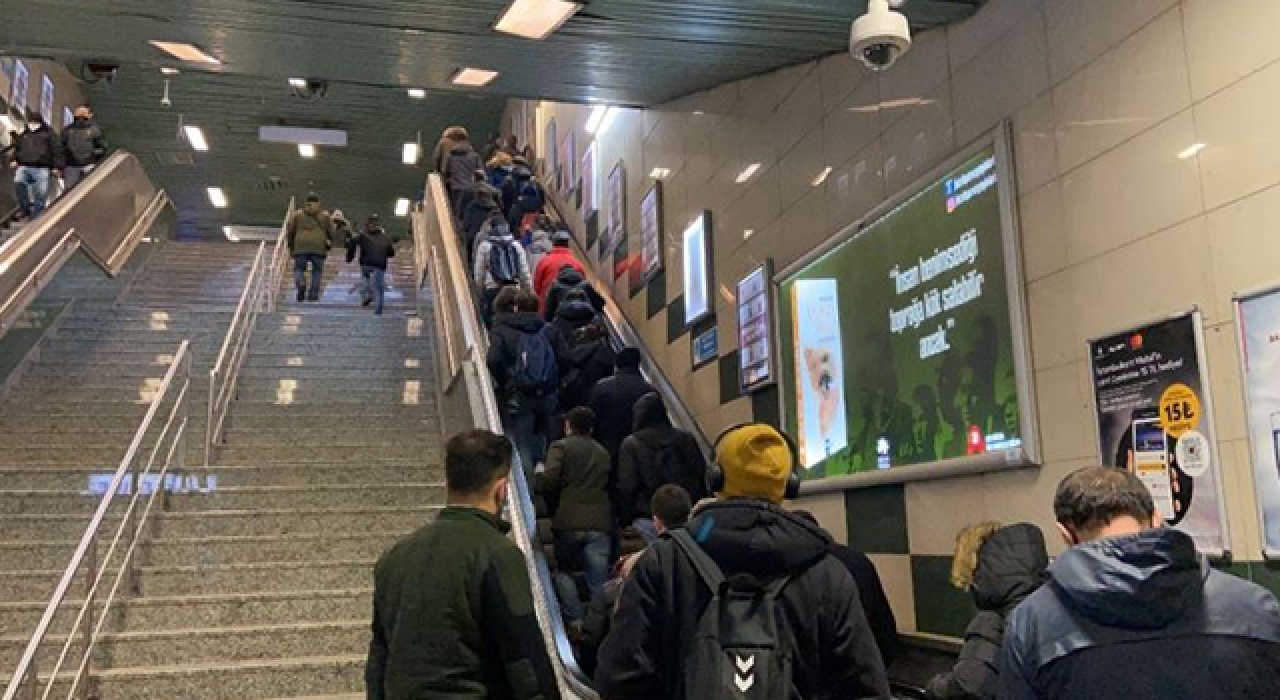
(923, 407)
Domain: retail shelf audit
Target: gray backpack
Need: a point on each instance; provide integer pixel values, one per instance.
(736, 652)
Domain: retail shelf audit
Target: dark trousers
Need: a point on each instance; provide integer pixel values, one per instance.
(526, 422)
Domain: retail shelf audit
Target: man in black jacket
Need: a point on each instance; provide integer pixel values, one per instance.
(37, 152)
(1133, 612)
(375, 248)
(752, 540)
(656, 454)
(520, 348)
(875, 604)
(83, 145)
(613, 398)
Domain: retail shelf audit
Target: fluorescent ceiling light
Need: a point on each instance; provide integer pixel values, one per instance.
(185, 52)
(410, 154)
(170, 71)
(536, 19)
(660, 173)
(195, 137)
(217, 197)
(402, 207)
(307, 150)
(297, 82)
(748, 233)
(473, 77)
(601, 116)
(1191, 151)
(748, 173)
(230, 234)
(822, 177)
(417, 93)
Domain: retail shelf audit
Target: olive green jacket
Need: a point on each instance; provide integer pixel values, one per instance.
(310, 231)
(453, 616)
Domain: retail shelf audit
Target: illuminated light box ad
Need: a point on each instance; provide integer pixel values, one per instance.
(1258, 321)
(901, 346)
(697, 269)
(755, 329)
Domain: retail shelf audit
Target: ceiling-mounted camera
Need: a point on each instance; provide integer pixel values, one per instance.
(880, 37)
(309, 88)
(96, 72)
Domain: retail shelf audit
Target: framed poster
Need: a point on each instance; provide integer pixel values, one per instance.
(755, 329)
(549, 153)
(568, 164)
(18, 95)
(67, 117)
(615, 222)
(589, 178)
(651, 258)
(1258, 319)
(46, 100)
(1155, 418)
(697, 269)
(705, 347)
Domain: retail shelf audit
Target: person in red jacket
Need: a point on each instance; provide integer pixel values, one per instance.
(551, 263)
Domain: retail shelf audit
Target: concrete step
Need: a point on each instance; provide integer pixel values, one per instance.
(356, 431)
(334, 454)
(356, 370)
(239, 498)
(194, 478)
(245, 413)
(32, 585)
(242, 680)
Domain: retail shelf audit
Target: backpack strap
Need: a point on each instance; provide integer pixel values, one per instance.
(773, 590)
(705, 566)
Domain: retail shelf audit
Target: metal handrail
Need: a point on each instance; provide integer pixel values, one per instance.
(235, 347)
(171, 443)
(280, 258)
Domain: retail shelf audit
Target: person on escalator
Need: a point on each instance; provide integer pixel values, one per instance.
(514, 185)
(569, 281)
(375, 248)
(654, 455)
(875, 604)
(1000, 567)
(83, 144)
(484, 204)
(500, 262)
(522, 362)
(614, 398)
(37, 153)
(310, 237)
(586, 353)
(549, 265)
(459, 174)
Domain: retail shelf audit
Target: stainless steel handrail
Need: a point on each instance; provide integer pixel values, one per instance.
(455, 294)
(235, 347)
(171, 443)
(280, 258)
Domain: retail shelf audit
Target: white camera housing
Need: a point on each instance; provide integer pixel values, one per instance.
(880, 37)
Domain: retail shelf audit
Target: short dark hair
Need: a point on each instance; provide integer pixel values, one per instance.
(526, 301)
(474, 459)
(1089, 499)
(628, 358)
(505, 302)
(582, 420)
(671, 504)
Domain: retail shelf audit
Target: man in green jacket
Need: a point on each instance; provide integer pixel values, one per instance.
(310, 236)
(453, 611)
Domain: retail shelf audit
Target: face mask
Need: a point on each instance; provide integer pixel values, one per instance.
(33, 126)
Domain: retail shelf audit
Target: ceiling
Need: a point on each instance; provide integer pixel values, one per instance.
(635, 52)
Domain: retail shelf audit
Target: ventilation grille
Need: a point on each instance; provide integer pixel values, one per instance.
(273, 184)
(183, 158)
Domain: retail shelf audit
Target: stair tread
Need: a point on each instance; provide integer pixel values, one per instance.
(198, 598)
(229, 630)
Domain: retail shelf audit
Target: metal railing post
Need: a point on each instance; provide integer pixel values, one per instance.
(90, 579)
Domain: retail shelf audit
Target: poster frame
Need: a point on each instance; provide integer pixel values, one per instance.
(551, 152)
(616, 196)
(589, 171)
(1237, 302)
(1206, 388)
(709, 279)
(47, 97)
(770, 301)
(20, 89)
(660, 262)
(1029, 454)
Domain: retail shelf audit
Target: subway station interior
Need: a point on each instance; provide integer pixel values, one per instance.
(954, 250)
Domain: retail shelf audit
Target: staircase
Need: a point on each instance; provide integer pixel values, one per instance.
(256, 579)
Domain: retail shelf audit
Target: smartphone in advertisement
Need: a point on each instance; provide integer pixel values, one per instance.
(1151, 463)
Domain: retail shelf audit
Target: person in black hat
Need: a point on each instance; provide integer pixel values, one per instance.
(375, 248)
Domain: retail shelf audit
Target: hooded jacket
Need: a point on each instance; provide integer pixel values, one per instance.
(825, 632)
(310, 231)
(375, 248)
(577, 476)
(499, 236)
(549, 268)
(1142, 617)
(539, 246)
(460, 167)
(1011, 566)
(513, 184)
(567, 282)
(504, 345)
(612, 399)
(585, 353)
(41, 148)
(656, 454)
(84, 135)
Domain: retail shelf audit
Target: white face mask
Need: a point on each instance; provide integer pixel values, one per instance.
(33, 126)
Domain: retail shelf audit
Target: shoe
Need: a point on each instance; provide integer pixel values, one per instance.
(302, 295)
(313, 297)
(367, 302)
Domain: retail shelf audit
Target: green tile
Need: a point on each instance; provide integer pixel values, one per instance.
(940, 607)
(730, 386)
(877, 518)
(765, 407)
(676, 326)
(656, 296)
(1266, 574)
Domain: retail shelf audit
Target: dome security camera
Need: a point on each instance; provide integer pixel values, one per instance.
(880, 37)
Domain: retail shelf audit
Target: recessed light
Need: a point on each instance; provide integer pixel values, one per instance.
(1191, 151)
(417, 93)
(297, 82)
(410, 154)
(402, 207)
(170, 71)
(536, 19)
(307, 150)
(747, 174)
(185, 52)
(195, 137)
(660, 173)
(600, 119)
(217, 197)
(822, 177)
(473, 77)
(748, 233)
(230, 234)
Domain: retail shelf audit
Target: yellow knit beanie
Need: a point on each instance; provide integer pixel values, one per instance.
(757, 461)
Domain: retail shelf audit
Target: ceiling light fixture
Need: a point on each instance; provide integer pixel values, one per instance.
(230, 234)
(170, 71)
(747, 174)
(748, 233)
(822, 177)
(536, 19)
(473, 77)
(1191, 151)
(298, 83)
(307, 150)
(410, 154)
(417, 93)
(195, 137)
(402, 207)
(600, 119)
(660, 173)
(185, 52)
(217, 197)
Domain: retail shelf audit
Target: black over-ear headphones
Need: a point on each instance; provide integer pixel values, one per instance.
(715, 472)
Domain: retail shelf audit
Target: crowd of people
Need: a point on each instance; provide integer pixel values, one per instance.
(47, 162)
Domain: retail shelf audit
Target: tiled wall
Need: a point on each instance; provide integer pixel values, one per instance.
(1119, 224)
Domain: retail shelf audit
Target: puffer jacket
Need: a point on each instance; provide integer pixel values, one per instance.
(655, 455)
(1142, 617)
(1011, 566)
(375, 248)
(310, 231)
(577, 479)
(460, 167)
(41, 148)
(833, 652)
(568, 281)
(586, 357)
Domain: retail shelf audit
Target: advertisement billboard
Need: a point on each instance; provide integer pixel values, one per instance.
(697, 269)
(755, 329)
(1258, 319)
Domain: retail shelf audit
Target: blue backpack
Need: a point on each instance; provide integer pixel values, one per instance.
(535, 372)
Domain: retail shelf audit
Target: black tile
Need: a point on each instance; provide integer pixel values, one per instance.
(593, 228)
(940, 607)
(657, 294)
(877, 518)
(765, 407)
(676, 326)
(730, 387)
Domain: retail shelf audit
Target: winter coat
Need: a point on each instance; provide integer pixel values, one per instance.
(83, 131)
(833, 652)
(484, 278)
(585, 358)
(875, 604)
(538, 248)
(41, 148)
(549, 268)
(375, 248)
(655, 455)
(460, 167)
(566, 283)
(1142, 617)
(513, 185)
(577, 479)
(453, 616)
(1011, 566)
(504, 346)
(310, 231)
(612, 400)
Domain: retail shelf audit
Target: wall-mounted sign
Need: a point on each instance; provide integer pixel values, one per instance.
(651, 258)
(18, 95)
(705, 347)
(46, 100)
(1258, 318)
(1156, 420)
(615, 223)
(755, 328)
(697, 269)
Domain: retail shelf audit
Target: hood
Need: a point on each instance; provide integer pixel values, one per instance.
(1011, 566)
(521, 172)
(523, 321)
(650, 415)
(576, 311)
(311, 207)
(461, 148)
(376, 231)
(1139, 581)
(569, 276)
(501, 235)
(540, 235)
(759, 538)
(82, 122)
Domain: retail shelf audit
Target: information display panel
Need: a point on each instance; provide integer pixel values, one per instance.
(901, 344)
(755, 329)
(697, 269)
(1258, 320)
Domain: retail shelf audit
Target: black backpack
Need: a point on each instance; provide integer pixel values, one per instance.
(736, 652)
(583, 343)
(535, 372)
(80, 144)
(504, 262)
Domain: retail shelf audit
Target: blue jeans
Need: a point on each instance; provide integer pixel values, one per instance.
(646, 529)
(375, 286)
(526, 422)
(32, 185)
(300, 261)
(587, 548)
